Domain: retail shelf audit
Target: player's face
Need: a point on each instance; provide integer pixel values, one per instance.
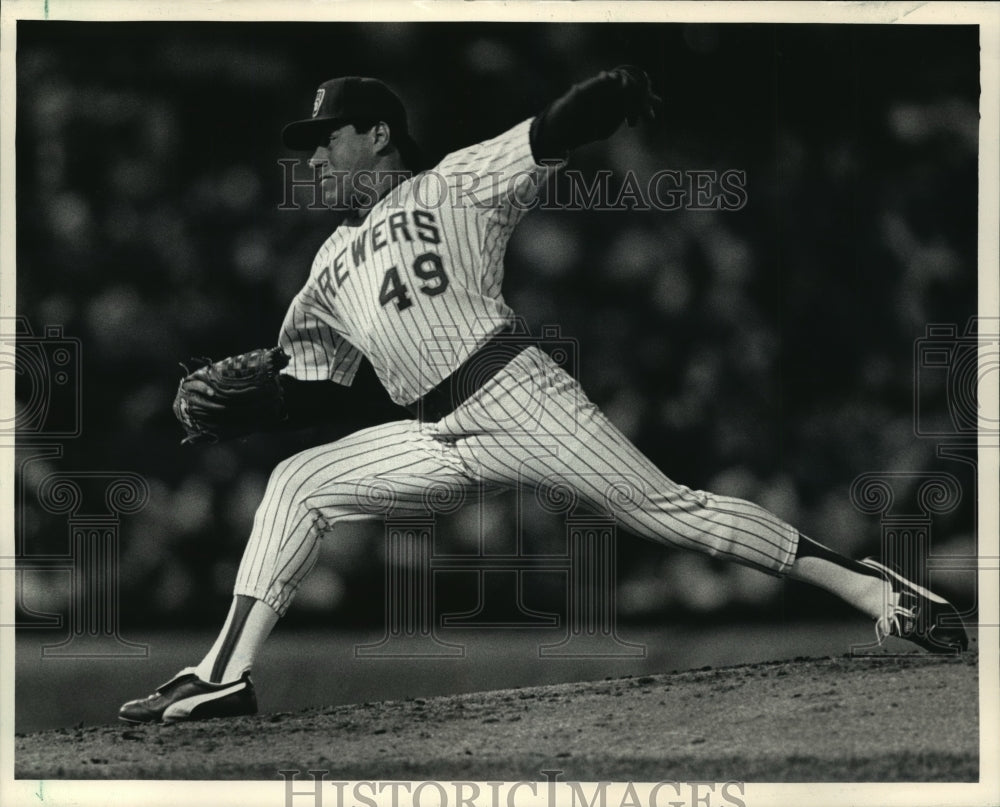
(345, 153)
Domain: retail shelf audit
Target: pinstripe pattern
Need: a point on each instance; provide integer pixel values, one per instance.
(338, 316)
(530, 426)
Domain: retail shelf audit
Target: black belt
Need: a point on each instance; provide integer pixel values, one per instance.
(469, 377)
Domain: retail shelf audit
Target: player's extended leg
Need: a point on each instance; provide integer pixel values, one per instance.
(390, 469)
(533, 425)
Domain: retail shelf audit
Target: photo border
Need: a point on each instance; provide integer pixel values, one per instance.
(987, 16)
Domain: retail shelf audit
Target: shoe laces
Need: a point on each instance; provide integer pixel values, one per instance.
(885, 624)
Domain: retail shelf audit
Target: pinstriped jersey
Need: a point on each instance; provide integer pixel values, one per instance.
(415, 286)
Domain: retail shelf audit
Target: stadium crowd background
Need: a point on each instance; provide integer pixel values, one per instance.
(765, 353)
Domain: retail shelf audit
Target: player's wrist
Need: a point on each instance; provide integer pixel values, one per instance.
(592, 110)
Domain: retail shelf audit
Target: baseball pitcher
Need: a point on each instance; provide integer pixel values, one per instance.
(412, 281)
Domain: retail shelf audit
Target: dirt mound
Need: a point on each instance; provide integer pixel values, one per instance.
(912, 718)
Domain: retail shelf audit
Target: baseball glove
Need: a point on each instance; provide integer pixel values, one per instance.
(232, 397)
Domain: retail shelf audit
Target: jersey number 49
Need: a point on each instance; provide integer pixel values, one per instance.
(428, 267)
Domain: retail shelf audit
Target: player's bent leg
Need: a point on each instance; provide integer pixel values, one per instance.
(380, 471)
(387, 469)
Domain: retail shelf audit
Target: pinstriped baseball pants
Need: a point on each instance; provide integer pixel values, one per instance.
(530, 425)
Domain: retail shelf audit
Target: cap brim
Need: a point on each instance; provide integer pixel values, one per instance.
(305, 135)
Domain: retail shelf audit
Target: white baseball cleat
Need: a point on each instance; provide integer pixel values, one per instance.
(919, 616)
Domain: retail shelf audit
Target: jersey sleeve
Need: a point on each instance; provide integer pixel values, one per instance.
(500, 173)
(312, 338)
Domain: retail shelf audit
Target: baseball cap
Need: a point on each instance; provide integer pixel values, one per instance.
(342, 100)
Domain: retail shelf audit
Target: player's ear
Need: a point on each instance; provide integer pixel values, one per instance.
(381, 136)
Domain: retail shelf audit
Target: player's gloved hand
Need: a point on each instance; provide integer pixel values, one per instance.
(232, 397)
(640, 99)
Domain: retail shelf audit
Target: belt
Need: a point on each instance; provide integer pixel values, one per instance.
(469, 377)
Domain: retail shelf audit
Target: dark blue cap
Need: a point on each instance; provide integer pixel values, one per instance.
(344, 100)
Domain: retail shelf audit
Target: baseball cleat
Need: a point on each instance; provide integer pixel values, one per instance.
(919, 616)
(188, 697)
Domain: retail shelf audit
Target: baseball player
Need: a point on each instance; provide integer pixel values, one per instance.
(411, 281)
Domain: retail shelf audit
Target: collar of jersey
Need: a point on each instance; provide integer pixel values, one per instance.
(355, 218)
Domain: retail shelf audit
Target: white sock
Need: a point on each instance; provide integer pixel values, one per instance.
(247, 626)
(867, 593)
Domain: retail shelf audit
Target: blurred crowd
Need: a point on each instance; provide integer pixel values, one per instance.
(766, 352)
